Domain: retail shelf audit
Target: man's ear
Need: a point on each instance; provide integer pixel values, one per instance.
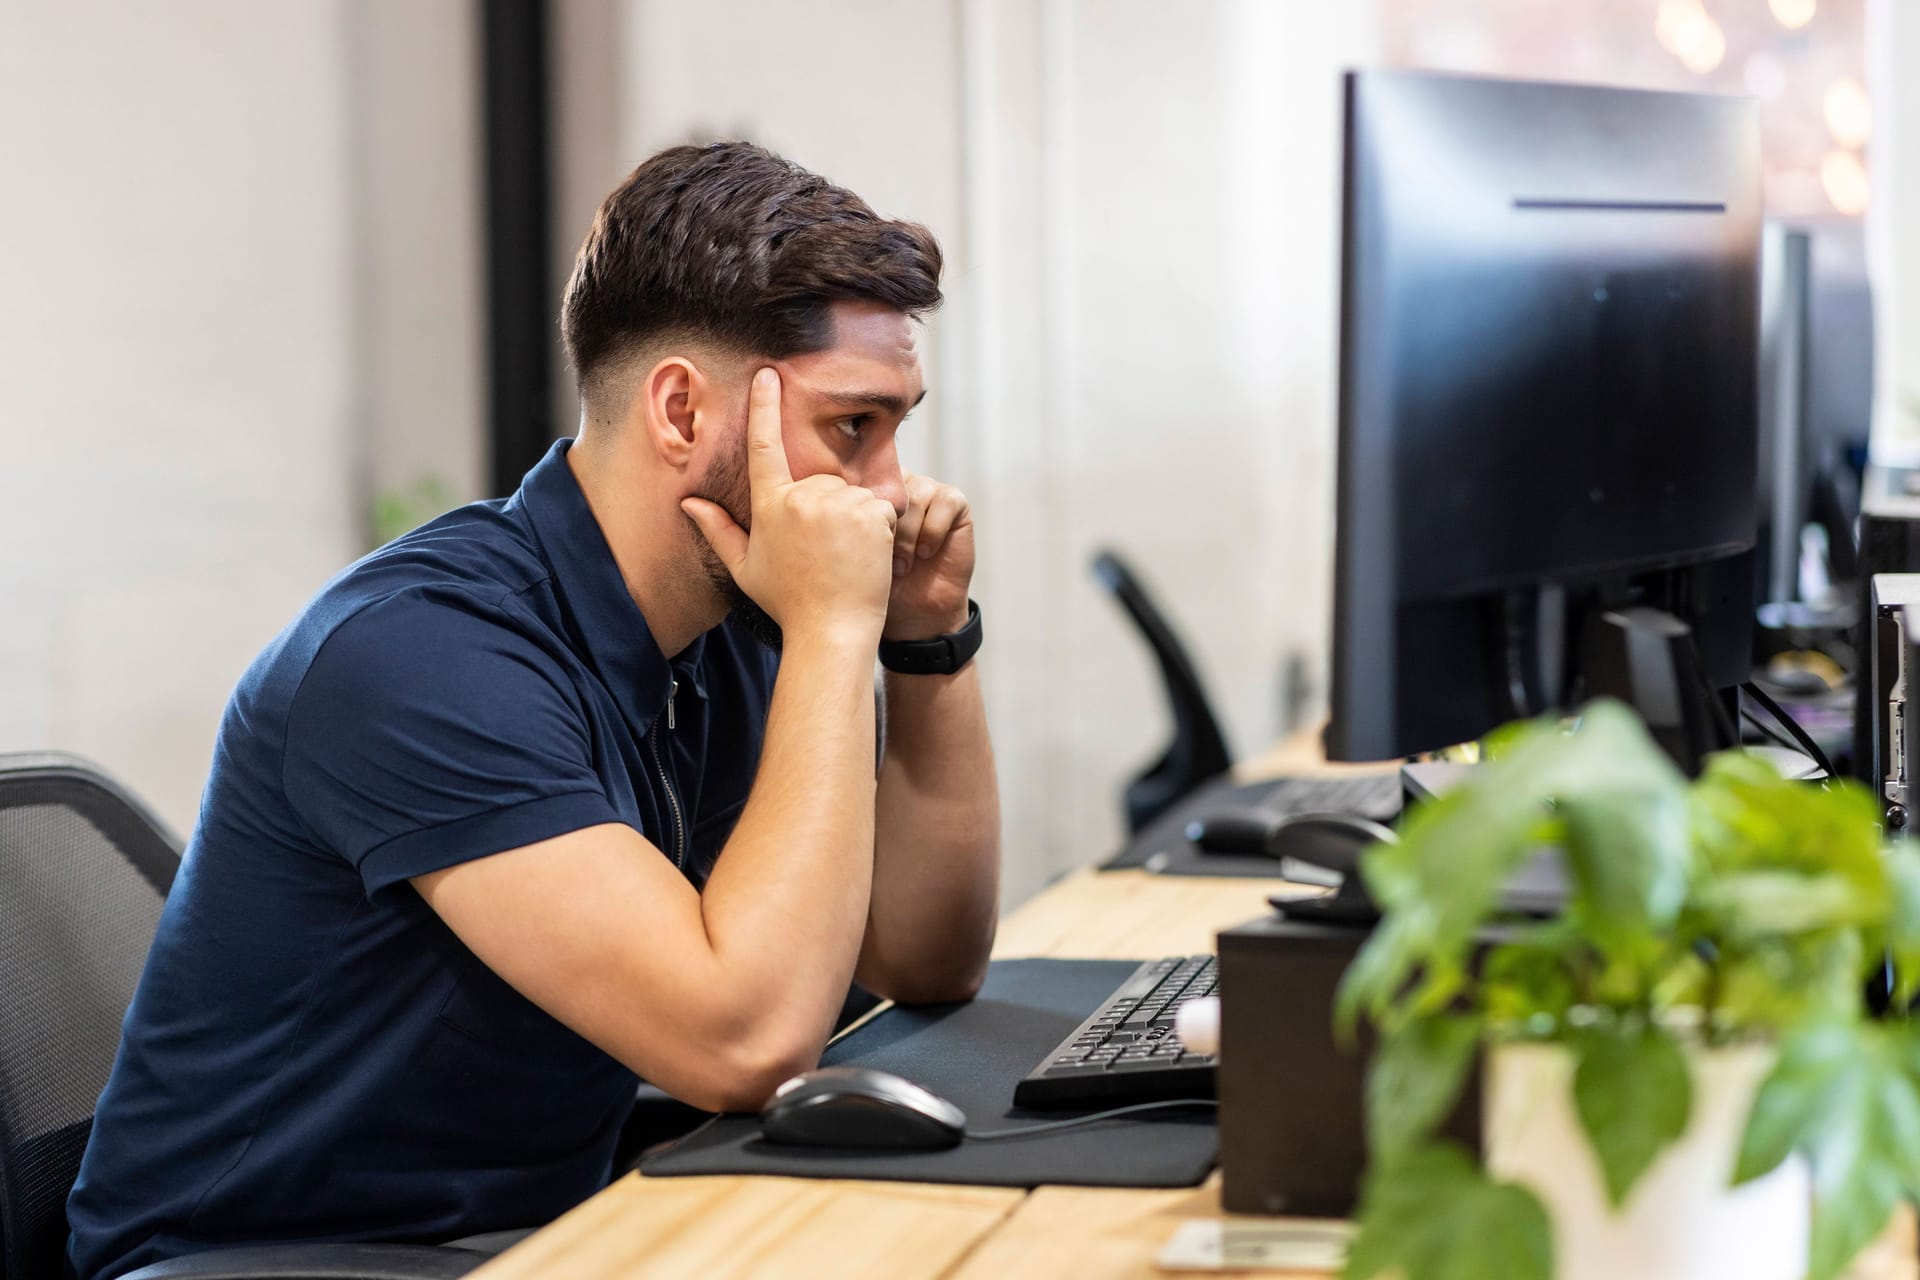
(668, 405)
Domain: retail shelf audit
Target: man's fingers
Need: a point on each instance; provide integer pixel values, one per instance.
(728, 540)
(766, 446)
(906, 531)
(947, 510)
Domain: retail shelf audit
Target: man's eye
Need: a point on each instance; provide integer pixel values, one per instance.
(850, 427)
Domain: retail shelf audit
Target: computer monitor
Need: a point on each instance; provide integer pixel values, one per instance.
(1548, 402)
(1816, 402)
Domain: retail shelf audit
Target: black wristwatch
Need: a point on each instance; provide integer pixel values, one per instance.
(939, 656)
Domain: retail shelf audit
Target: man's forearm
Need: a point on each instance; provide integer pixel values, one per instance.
(936, 873)
(785, 905)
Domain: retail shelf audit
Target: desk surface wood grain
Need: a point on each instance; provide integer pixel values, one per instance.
(748, 1228)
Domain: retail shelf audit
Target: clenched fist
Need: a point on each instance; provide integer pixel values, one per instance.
(932, 562)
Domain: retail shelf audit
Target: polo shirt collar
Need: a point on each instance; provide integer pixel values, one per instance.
(607, 625)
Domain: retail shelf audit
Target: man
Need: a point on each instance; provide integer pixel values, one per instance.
(577, 788)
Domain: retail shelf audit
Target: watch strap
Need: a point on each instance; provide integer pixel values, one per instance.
(937, 656)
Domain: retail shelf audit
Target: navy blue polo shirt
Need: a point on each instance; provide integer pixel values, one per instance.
(311, 1054)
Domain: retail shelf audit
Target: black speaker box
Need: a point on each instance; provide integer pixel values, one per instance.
(1292, 1100)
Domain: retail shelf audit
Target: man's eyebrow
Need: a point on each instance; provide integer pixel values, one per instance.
(885, 401)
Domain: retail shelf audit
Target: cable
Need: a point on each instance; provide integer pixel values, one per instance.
(1723, 723)
(1767, 731)
(1722, 719)
(1787, 722)
(993, 1135)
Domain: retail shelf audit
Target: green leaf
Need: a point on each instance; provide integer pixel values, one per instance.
(1749, 818)
(1438, 1217)
(1631, 855)
(1847, 1095)
(1414, 1081)
(1903, 917)
(1634, 1093)
(1527, 982)
(1781, 902)
(1382, 967)
(1850, 1211)
(1782, 983)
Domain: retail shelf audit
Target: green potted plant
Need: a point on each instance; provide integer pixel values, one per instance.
(1669, 1066)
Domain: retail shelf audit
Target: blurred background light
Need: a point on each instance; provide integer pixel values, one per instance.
(1689, 33)
(1845, 180)
(1849, 113)
(1793, 14)
(1672, 20)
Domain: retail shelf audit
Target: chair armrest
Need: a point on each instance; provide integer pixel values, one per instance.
(318, 1262)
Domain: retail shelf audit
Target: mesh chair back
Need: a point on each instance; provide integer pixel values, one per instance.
(84, 868)
(1198, 750)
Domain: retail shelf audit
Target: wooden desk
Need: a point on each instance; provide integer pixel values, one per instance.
(798, 1227)
(735, 1228)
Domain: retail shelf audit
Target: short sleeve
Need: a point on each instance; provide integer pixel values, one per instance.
(428, 733)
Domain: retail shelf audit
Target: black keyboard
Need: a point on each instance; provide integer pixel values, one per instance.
(1127, 1051)
(1372, 795)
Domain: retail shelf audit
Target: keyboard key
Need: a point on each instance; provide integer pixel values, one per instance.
(1075, 1069)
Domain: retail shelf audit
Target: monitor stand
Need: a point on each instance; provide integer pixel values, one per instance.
(1647, 659)
(1641, 656)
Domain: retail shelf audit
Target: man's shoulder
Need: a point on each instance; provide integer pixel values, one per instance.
(479, 553)
(419, 603)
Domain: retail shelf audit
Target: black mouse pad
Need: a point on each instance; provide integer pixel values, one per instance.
(973, 1055)
(1162, 845)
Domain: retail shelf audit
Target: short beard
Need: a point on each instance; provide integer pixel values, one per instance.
(727, 487)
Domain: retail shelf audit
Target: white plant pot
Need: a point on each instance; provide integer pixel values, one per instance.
(1682, 1220)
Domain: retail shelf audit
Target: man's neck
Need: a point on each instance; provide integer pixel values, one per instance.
(648, 540)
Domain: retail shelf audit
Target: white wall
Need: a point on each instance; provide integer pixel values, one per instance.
(186, 409)
(1197, 323)
(1138, 203)
(1893, 50)
(420, 290)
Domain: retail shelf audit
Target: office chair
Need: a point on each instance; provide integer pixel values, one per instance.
(1198, 751)
(84, 868)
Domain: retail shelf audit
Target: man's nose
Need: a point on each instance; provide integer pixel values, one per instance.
(884, 476)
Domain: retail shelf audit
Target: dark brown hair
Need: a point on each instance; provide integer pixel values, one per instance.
(732, 245)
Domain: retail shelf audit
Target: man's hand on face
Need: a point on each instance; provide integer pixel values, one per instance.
(818, 559)
(932, 562)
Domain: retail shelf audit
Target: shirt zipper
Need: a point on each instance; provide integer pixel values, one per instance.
(673, 801)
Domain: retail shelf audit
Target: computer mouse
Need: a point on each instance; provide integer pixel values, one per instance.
(1320, 848)
(1330, 841)
(856, 1108)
